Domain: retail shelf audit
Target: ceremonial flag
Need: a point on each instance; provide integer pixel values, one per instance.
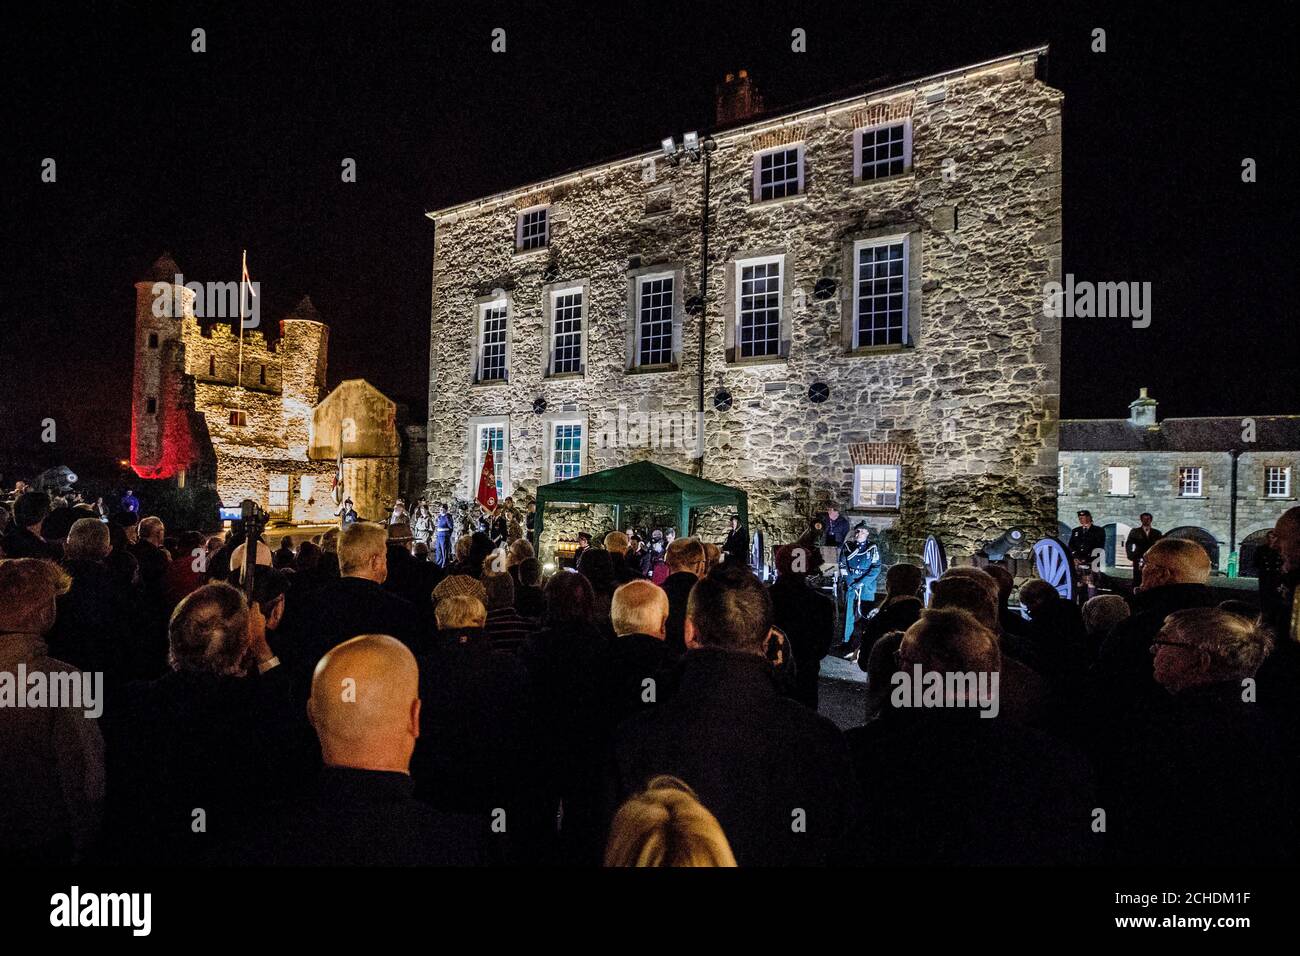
(487, 483)
(336, 489)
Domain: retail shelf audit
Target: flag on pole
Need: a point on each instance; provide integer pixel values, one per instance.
(336, 489)
(244, 277)
(487, 483)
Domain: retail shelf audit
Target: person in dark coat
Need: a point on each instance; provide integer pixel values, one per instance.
(1197, 778)
(1268, 569)
(945, 785)
(837, 528)
(364, 811)
(736, 545)
(95, 628)
(1138, 543)
(639, 660)
(1175, 578)
(530, 602)
(900, 609)
(1085, 544)
(685, 560)
(776, 775)
(22, 539)
(805, 615)
(196, 755)
(476, 751)
(354, 604)
(565, 662)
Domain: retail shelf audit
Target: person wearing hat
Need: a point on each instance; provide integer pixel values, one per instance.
(861, 571)
(1087, 547)
(1138, 542)
(52, 788)
(347, 514)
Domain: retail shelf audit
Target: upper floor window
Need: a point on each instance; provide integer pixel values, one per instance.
(493, 324)
(758, 307)
(566, 450)
(151, 405)
(566, 332)
(1119, 480)
(212, 366)
(1277, 481)
(883, 151)
(876, 486)
(533, 228)
(261, 375)
(153, 340)
(778, 172)
(238, 419)
(1189, 482)
(880, 287)
(1062, 476)
(654, 334)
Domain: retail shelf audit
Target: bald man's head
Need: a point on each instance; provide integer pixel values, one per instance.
(1175, 561)
(639, 607)
(365, 704)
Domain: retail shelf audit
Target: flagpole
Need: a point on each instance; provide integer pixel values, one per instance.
(239, 374)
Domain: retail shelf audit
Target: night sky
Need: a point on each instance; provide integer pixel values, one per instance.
(159, 148)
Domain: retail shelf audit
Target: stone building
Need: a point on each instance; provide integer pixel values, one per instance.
(197, 418)
(871, 330)
(364, 420)
(1220, 481)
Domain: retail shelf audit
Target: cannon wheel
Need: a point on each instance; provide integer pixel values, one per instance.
(1055, 567)
(936, 562)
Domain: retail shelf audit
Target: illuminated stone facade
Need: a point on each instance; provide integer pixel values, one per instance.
(963, 402)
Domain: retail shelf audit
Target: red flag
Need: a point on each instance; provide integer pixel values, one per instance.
(487, 483)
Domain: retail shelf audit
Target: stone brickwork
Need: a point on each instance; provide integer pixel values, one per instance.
(972, 398)
(185, 390)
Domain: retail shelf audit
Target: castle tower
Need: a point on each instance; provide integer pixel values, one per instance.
(160, 426)
(304, 345)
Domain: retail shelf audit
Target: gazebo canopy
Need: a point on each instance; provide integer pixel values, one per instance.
(642, 483)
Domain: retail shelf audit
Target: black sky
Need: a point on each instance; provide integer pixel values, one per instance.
(203, 154)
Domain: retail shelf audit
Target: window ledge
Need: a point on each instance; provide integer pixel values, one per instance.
(778, 201)
(880, 349)
(521, 255)
(1193, 497)
(905, 177)
(560, 376)
(874, 510)
(760, 360)
(653, 369)
(490, 383)
(1113, 495)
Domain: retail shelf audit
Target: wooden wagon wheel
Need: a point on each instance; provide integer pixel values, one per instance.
(1055, 567)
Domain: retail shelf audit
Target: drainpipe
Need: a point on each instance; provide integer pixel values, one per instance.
(707, 147)
(1232, 505)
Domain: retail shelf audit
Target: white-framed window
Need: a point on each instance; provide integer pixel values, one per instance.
(1118, 476)
(533, 228)
(880, 291)
(882, 151)
(758, 307)
(568, 444)
(493, 329)
(1189, 481)
(1277, 481)
(566, 331)
(654, 325)
(277, 496)
(492, 436)
(778, 172)
(1062, 476)
(877, 486)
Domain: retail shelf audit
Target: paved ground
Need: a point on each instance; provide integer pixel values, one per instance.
(841, 700)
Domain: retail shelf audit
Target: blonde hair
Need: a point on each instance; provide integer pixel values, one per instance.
(666, 825)
(638, 607)
(460, 611)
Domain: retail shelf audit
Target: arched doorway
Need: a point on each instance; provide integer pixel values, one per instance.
(1116, 535)
(1201, 537)
(1246, 565)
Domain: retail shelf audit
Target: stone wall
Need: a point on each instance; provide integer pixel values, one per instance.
(973, 399)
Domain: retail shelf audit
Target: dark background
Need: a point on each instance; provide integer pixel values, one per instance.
(204, 154)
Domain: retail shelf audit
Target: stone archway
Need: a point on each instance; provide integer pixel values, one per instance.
(1246, 566)
(1201, 537)
(1116, 535)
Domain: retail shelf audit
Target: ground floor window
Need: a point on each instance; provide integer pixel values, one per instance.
(876, 486)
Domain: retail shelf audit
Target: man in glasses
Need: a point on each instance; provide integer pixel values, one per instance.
(1201, 777)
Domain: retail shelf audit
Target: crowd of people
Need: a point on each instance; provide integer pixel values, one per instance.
(349, 703)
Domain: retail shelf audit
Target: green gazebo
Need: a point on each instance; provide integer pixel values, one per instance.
(641, 483)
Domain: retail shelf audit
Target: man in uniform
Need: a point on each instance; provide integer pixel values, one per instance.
(1137, 544)
(1087, 547)
(861, 570)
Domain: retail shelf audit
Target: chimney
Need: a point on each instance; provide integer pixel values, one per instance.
(737, 99)
(1142, 412)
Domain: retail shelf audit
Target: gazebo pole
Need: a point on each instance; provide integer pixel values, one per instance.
(618, 517)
